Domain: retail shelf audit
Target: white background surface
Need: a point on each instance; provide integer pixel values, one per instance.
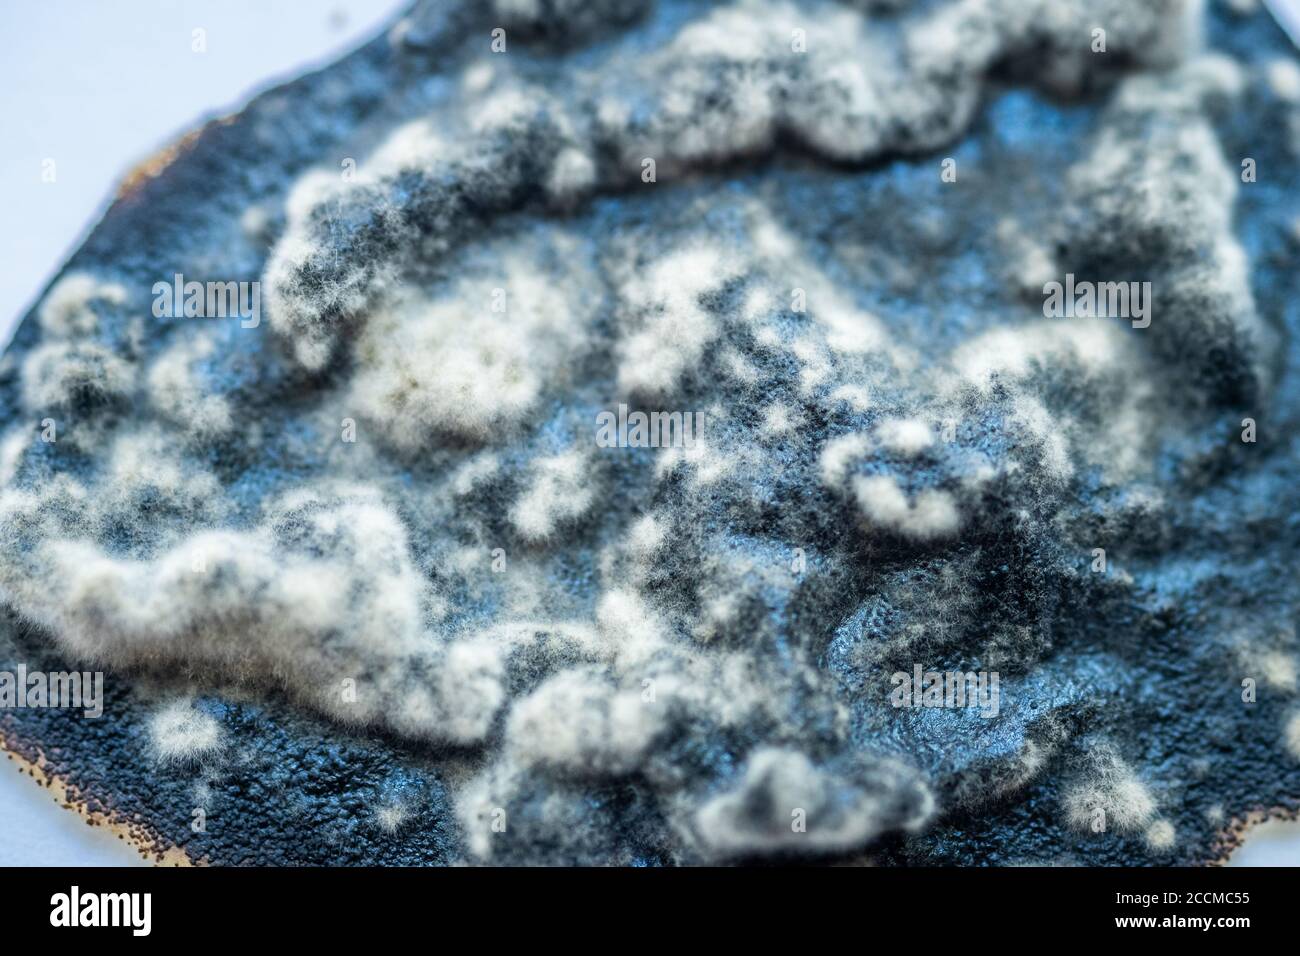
(97, 87)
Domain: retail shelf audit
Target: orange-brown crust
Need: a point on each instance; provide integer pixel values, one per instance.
(152, 166)
(134, 832)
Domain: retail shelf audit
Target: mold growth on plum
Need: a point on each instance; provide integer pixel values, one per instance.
(368, 590)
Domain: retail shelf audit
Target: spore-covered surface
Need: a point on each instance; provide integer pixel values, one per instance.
(367, 588)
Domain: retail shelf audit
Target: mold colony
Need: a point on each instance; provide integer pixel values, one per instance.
(548, 651)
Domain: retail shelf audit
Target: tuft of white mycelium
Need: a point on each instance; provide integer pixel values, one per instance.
(69, 308)
(1160, 836)
(143, 472)
(182, 734)
(560, 491)
(646, 536)
(839, 454)
(1284, 80)
(1291, 735)
(1023, 360)
(669, 326)
(904, 436)
(257, 224)
(391, 817)
(572, 176)
(63, 376)
(855, 396)
(628, 624)
(784, 803)
(468, 692)
(75, 377)
(1108, 794)
(578, 723)
(930, 514)
(778, 420)
(12, 449)
(498, 339)
(1274, 667)
(175, 390)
